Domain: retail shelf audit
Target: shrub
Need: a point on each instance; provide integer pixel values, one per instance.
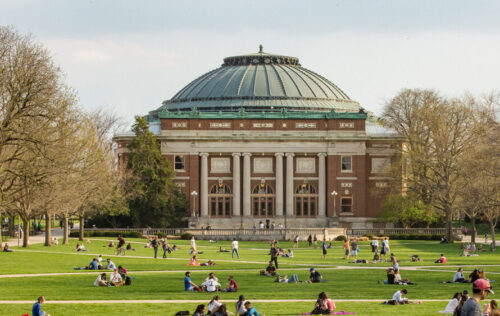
(414, 237)
(161, 235)
(341, 238)
(90, 233)
(186, 236)
(368, 235)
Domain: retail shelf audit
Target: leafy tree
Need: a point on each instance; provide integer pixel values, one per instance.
(149, 186)
(407, 211)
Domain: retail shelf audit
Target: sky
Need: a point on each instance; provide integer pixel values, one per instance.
(129, 56)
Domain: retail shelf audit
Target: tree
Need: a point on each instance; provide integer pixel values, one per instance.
(149, 185)
(437, 133)
(407, 211)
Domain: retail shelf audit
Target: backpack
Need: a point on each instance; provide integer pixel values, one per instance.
(182, 313)
(128, 281)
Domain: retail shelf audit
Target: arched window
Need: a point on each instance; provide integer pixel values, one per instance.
(306, 201)
(220, 198)
(263, 200)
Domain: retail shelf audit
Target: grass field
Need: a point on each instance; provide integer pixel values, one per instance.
(38, 270)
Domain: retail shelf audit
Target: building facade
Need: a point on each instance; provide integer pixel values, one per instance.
(262, 139)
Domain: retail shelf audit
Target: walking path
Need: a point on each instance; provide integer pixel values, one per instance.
(202, 301)
(37, 239)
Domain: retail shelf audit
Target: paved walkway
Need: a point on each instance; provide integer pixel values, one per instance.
(36, 239)
(380, 300)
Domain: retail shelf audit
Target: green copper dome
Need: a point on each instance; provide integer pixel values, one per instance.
(260, 82)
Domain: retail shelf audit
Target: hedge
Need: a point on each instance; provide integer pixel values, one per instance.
(186, 236)
(341, 238)
(414, 237)
(90, 233)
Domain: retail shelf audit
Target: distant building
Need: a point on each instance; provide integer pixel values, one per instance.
(263, 139)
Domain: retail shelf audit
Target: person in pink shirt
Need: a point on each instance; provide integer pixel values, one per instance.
(442, 259)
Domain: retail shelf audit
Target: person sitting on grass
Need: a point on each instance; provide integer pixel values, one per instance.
(288, 255)
(111, 244)
(214, 305)
(37, 307)
(6, 248)
(101, 280)
(116, 279)
(129, 247)
(251, 311)
(323, 305)
(240, 306)
(399, 298)
(491, 309)
(55, 241)
(315, 276)
(80, 247)
(110, 264)
(200, 310)
(391, 277)
(93, 265)
(189, 285)
(399, 280)
(223, 249)
(211, 285)
(194, 261)
(415, 258)
(270, 270)
(452, 304)
(222, 311)
(122, 271)
(231, 286)
(459, 276)
(442, 259)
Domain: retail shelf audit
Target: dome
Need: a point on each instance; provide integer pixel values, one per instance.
(260, 82)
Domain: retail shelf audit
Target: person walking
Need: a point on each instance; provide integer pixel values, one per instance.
(315, 241)
(346, 249)
(309, 240)
(296, 241)
(324, 246)
(274, 255)
(354, 249)
(154, 244)
(193, 244)
(235, 248)
(165, 246)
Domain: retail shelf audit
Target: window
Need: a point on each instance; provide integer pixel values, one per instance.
(305, 200)
(263, 200)
(179, 163)
(220, 200)
(346, 163)
(346, 204)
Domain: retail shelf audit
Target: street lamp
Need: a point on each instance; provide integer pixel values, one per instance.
(194, 194)
(334, 194)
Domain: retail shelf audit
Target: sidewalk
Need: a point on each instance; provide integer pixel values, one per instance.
(36, 239)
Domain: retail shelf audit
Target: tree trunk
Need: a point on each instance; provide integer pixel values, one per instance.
(66, 230)
(12, 226)
(492, 228)
(26, 232)
(48, 228)
(81, 227)
(473, 232)
(1, 241)
(449, 228)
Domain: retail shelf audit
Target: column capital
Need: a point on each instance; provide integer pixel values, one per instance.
(290, 154)
(322, 154)
(279, 154)
(246, 154)
(236, 154)
(204, 154)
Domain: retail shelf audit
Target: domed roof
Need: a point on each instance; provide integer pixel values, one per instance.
(260, 82)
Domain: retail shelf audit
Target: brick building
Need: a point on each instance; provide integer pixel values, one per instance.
(262, 139)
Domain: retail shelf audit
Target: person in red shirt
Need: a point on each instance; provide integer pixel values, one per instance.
(442, 259)
(231, 286)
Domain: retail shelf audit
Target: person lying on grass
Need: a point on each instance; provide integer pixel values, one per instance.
(208, 263)
(292, 279)
(80, 247)
(399, 299)
(189, 285)
(223, 249)
(94, 265)
(101, 280)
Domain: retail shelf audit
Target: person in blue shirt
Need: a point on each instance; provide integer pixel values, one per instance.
(189, 285)
(94, 265)
(37, 307)
(251, 311)
(324, 247)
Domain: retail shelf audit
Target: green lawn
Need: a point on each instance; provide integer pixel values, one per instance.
(159, 279)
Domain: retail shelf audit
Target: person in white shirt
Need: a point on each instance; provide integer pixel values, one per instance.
(99, 259)
(240, 306)
(398, 297)
(101, 280)
(235, 248)
(459, 276)
(452, 304)
(110, 265)
(214, 305)
(193, 244)
(374, 245)
(261, 225)
(211, 285)
(116, 279)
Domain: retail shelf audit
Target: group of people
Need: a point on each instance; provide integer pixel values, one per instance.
(216, 308)
(464, 305)
(211, 284)
(118, 277)
(155, 243)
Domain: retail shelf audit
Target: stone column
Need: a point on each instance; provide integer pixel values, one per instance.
(204, 184)
(246, 184)
(236, 184)
(289, 184)
(279, 184)
(321, 185)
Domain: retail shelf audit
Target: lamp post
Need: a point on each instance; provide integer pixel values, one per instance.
(194, 194)
(334, 194)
